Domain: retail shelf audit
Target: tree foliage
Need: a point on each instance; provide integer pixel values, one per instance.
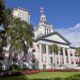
(17, 33)
(78, 51)
(2, 20)
(4, 24)
(20, 34)
(55, 48)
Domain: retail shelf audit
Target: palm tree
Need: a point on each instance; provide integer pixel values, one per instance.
(20, 33)
(78, 53)
(55, 50)
(17, 32)
(78, 50)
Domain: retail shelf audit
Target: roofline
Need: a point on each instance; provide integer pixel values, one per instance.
(51, 41)
(21, 9)
(52, 34)
(73, 47)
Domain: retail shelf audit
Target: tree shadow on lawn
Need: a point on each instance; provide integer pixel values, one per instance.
(24, 77)
(21, 77)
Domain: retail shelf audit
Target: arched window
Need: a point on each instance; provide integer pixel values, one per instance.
(45, 30)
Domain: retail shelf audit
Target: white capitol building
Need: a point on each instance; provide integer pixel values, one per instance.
(41, 55)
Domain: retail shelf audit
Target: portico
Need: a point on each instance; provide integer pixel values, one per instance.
(48, 59)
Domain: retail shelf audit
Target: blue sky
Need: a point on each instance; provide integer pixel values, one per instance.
(60, 13)
(64, 15)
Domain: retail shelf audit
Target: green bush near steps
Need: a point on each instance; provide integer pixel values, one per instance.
(0, 69)
(14, 67)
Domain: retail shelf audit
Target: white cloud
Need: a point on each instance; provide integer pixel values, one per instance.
(72, 34)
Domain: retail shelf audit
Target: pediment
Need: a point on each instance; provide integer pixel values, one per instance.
(57, 37)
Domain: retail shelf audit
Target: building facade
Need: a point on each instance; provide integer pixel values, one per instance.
(21, 13)
(45, 38)
(41, 55)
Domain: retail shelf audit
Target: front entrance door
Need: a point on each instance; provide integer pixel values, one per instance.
(44, 66)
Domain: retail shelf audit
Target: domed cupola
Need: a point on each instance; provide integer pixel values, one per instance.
(42, 18)
(43, 27)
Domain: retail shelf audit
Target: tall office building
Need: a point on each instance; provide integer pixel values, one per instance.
(21, 13)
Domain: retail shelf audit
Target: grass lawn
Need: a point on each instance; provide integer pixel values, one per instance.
(42, 75)
(48, 75)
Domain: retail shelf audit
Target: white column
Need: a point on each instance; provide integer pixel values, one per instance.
(69, 58)
(74, 59)
(40, 57)
(53, 59)
(64, 57)
(47, 56)
(59, 57)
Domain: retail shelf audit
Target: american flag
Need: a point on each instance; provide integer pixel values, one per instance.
(41, 9)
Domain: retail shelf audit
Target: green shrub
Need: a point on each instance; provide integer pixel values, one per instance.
(14, 67)
(0, 68)
(25, 67)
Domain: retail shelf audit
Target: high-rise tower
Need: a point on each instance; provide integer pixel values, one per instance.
(21, 13)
